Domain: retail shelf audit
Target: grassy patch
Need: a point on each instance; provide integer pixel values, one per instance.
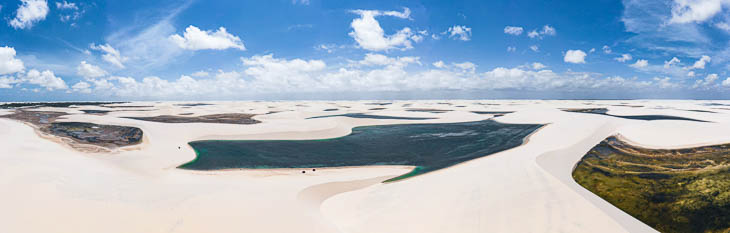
(682, 190)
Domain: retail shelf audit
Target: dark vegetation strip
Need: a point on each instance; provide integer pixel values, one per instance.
(679, 190)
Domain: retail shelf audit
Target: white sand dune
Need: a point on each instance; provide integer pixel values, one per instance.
(49, 187)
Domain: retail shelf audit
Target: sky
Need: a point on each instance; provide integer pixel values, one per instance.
(349, 50)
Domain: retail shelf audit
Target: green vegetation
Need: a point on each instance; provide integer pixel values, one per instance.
(53, 104)
(681, 190)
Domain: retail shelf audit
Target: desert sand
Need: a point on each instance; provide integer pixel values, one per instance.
(48, 186)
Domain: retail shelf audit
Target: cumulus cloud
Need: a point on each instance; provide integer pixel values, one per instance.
(264, 74)
(8, 82)
(195, 39)
(534, 48)
(688, 11)
(382, 60)
(29, 13)
(88, 71)
(72, 11)
(111, 55)
(82, 87)
(546, 30)
(606, 49)
(511, 49)
(466, 66)
(707, 82)
(700, 64)
(640, 63)
(369, 35)
(200, 74)
(8, 63)
(575, 56)
(670, 63)
(512, 30)
(624, 58)
(46, 79)
(303, 2)
(458, 32)
(538, 66)
(439, 64)
(66, 5)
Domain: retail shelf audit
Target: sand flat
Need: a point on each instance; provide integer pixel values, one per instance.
(49, 187)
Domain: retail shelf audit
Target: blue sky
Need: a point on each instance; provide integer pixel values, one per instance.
(299, 49)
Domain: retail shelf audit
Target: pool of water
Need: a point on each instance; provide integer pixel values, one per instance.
(604, 111)
(368, 116)
(429, 147)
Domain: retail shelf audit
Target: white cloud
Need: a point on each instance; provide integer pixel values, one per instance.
(370, 36)
(29, 13)
(66, 5)
(200, 74)
(195, 39)
(111, 55)
(511, 49)
(82, 87)
(44, 79)
(538, 66)
(688, 11)
(671, 62)
(439, 64)
(466, 66)
(546, 30)
(7, 82)
(592, 50)
(649, 21)
(146, 43)
(700, 64)
(707, 82)
(726, 82)
(723, 26)
(512, 30)
(74, 15)
(640, 63)
(606, 49)
(372, 59)
(624, 58)
(691, 74)
(534, 48)
(89, 71)
(459, 32)
(417, 38)
(303, 2)
(8, 63)
(575, 56)
(267, 74)
(665, 83)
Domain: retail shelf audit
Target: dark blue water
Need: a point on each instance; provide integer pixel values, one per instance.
(428, 146)
(604, 111)
(368, 116)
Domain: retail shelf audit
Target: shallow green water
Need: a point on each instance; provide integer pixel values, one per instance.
(428, 146)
